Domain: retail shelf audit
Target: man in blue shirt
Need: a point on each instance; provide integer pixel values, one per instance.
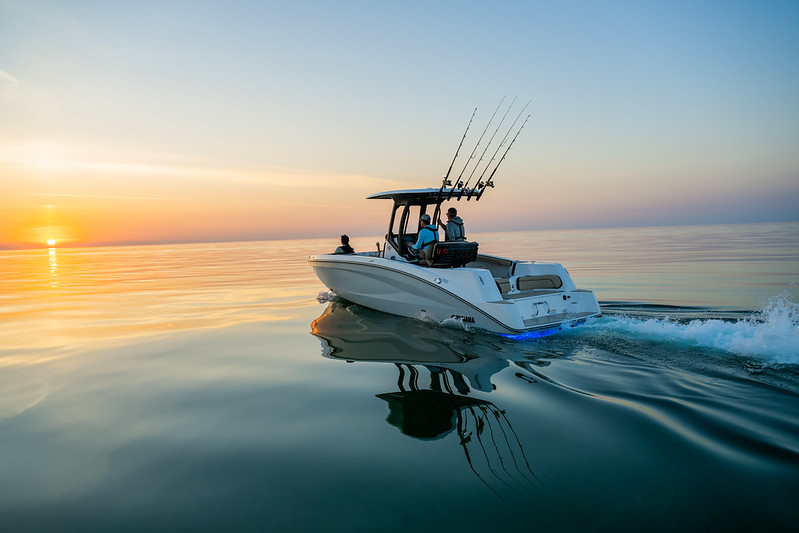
(428, 236)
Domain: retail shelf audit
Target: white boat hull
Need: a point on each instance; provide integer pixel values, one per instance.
(470, 295)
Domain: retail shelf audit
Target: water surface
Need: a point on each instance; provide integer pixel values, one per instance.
(212, 386)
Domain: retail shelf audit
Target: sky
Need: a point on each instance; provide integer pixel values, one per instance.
(191, 121)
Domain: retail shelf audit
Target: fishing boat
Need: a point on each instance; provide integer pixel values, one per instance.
(458, 284)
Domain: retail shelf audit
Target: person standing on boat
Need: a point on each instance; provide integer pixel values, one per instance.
(345, 247)
(428, 236)
(453, 229)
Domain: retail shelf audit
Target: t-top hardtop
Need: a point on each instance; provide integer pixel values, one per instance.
(411, 204)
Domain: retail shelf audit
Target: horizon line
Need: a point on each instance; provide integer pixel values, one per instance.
(120, 244)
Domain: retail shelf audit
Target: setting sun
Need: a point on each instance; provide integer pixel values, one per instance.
(51, 242)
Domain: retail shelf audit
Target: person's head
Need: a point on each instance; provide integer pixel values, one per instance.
(345, 239)
(424, 220)
(452, 212)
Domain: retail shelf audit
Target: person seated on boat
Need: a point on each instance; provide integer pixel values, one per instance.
(345, 247)
(428, 236)
(453, 229)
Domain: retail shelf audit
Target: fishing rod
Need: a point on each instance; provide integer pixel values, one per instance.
(480, 184)
(501, 144)
(446, 181)
(458, 182)
(491, 140)
(446, 178)
(490, 183)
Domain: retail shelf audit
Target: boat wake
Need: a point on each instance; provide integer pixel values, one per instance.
(326, 296)
(456, 323)
(771, 335)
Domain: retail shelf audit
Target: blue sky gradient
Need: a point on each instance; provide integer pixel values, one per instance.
(644, 113)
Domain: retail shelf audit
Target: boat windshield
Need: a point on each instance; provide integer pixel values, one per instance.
(404, 228)
(409, 205)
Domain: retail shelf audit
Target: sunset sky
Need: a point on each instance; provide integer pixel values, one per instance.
(159, 121)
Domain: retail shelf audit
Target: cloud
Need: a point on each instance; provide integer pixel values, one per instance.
(7, 81)
(86, 161)
(166, 198)
(99, 196)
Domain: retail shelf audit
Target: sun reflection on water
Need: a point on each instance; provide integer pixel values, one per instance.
(53, 268)
(67, 299)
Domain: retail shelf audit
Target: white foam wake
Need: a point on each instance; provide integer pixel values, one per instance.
(772, 334)
(326, 296)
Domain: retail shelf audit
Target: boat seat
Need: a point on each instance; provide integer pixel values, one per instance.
(454, 253)
(499, 266)
(526, 283)
(495, 260)
(503, 284)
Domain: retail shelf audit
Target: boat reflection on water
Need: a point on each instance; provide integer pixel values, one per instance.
(438, 369)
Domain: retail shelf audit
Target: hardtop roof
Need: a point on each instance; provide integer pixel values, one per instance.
(418, 196)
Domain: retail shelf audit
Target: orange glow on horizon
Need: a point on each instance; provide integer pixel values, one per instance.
(80, 195)
(88, 196)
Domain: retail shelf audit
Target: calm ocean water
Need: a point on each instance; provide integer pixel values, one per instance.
(220, 386)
